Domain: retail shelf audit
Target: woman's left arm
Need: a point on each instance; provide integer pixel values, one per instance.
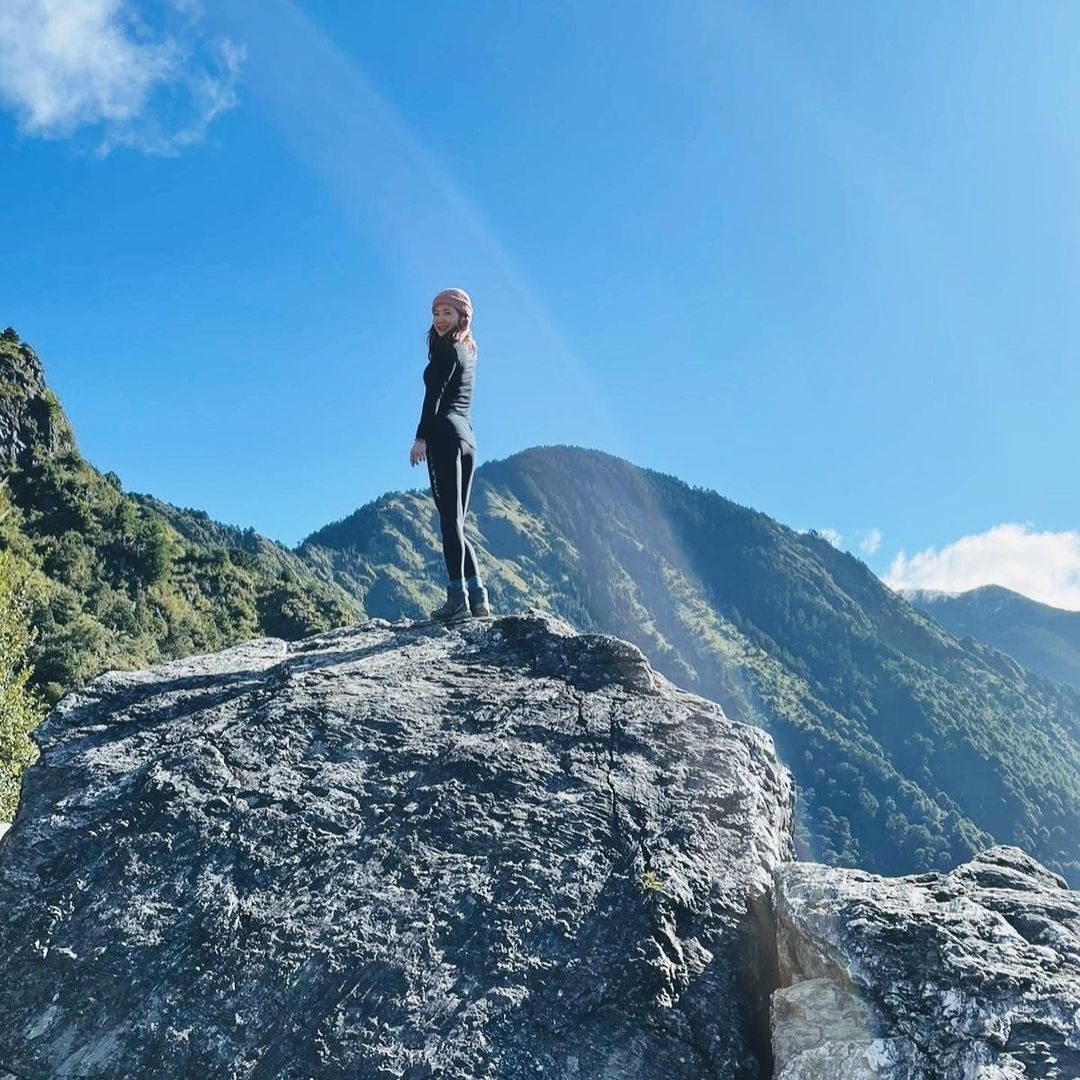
(443, 364)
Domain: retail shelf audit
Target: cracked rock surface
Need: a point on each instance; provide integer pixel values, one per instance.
(500, 849)
(969, 975)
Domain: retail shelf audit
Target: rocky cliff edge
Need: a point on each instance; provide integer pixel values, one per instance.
(502, 849)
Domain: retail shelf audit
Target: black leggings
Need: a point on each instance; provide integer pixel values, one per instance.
(450, 467)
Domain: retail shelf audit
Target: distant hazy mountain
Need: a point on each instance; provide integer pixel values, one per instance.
(910, 748)
(1043, 638)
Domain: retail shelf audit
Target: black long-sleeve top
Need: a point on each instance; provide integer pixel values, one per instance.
(448, 381)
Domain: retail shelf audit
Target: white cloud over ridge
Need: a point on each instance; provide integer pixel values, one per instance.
(870, 541)
(1044, 566)
(141, 73)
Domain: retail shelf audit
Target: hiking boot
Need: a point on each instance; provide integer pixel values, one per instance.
(454, 610)
(478, 603)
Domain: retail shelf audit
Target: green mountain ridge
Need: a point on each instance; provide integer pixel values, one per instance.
(911, 749)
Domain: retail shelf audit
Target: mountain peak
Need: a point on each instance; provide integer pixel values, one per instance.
(31, 417)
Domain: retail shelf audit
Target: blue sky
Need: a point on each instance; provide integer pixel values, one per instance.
(819, 258)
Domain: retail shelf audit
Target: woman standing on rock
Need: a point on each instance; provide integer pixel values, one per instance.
(445, 437)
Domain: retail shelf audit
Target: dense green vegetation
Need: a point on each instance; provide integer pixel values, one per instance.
(20, 708)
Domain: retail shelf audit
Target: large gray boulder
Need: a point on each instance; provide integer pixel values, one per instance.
(501, 849)
(958, 976)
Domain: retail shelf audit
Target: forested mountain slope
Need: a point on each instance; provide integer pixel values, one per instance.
(911, 749)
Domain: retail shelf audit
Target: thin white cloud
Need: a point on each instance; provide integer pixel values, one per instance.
(831, 535)
(1042, 565)
(140, 75)
(870, 541)
(394, 186)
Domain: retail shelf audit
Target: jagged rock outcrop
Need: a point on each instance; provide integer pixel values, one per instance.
(970, 975)
(30, 414)
(501, 849)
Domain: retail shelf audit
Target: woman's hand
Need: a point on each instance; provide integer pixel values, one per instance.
(416, 454)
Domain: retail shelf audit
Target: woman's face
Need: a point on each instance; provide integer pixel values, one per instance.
(445, 318)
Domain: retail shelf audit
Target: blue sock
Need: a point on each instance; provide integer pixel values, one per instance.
(458, 585)
(474, 582)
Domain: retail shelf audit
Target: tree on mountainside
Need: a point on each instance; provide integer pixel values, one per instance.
(20, 707)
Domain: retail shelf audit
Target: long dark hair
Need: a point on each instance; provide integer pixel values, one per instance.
(459, 333)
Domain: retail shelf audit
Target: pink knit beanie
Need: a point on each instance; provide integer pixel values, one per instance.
(456, 298)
